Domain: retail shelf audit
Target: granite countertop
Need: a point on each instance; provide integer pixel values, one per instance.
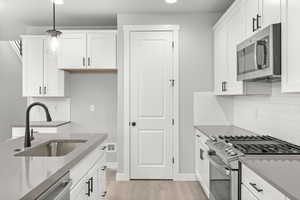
(282, 172)
(211, 131)
(42, 124)
(26, 177)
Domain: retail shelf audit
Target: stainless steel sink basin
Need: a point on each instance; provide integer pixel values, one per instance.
(53, 148)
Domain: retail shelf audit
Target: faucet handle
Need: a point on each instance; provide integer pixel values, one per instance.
(31, 134)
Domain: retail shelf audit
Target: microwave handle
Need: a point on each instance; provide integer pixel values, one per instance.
(260, 43)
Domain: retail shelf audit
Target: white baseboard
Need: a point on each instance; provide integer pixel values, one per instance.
(178, 177)
(122, 177)
(112, 165)
(185, 177)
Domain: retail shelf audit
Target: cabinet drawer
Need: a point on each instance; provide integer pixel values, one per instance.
(258, 186)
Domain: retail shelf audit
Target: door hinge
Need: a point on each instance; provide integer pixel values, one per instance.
(173, 160)
(173, 44)
(173, 122)
(172, 82)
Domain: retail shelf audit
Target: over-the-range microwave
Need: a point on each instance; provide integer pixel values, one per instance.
(259, 57)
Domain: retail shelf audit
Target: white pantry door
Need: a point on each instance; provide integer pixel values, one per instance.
(151, 56)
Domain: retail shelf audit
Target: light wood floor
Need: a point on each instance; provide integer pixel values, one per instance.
(152, 190)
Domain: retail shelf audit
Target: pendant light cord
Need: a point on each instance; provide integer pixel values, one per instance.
(53, 16)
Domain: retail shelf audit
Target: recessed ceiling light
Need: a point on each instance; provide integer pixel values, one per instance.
(171, 1)
(58, 2)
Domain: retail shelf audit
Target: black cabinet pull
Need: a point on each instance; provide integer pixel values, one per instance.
(201, 154)
(253, 24)
(255, 187)
(104, 168)
(258, 26)
(89, 188)
(92, 184)
(133, 123)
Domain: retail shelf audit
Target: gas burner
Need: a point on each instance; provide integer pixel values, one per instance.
(258, 145)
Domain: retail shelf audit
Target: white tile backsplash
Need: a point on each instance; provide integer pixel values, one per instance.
(59, 109)
(277, 114)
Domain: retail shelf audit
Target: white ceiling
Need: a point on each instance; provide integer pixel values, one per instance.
(98, 12)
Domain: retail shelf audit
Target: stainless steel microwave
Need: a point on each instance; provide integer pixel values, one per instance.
(259, 57)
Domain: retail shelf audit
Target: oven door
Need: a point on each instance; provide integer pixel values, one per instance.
(223, 180)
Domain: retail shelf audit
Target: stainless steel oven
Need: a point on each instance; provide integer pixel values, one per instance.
(259, 57)
(224, 179)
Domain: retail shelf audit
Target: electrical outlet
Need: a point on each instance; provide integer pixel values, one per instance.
(111, 147)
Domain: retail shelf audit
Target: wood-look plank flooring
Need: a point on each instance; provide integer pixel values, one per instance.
(152, 190)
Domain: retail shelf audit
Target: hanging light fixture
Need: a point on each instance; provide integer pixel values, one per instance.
(53, 33)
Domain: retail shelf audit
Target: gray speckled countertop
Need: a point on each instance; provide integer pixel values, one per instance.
(282, 172)
(26, 177)
(223, 130)
(42, 124)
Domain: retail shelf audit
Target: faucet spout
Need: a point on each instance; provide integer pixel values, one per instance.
(27, 140)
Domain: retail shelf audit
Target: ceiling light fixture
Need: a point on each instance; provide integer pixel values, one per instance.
(53, 33)
(58, 2)
(171, 1)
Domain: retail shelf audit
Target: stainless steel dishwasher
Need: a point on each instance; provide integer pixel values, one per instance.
(58, 191)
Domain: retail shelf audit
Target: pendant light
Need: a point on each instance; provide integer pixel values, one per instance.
(53, 33)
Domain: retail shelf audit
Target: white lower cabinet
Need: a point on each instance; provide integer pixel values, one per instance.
(255, 187)
(88, 176)
(201, 161)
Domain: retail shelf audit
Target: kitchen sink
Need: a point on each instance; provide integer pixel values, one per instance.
(53, 148)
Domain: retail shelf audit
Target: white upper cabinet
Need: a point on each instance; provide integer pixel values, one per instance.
(88, 50)
(41, 78)
(102, 50)
(72, 51)
(235, 34)
(228, 34)
(271, 13)
(290, 45)
(33, 66)
(220, 59)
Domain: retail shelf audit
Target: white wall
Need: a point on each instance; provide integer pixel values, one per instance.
(277, 114)
(12, 105)
(196, 71)
(100, 90)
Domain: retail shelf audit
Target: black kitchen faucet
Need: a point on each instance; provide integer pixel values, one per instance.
(28, 138)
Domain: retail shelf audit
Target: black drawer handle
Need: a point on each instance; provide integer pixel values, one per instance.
(89, 188)
(104, 168)
(255, 187)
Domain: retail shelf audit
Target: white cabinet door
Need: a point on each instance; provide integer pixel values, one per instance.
(53, 77)
(102, 167)
(102, 50)
(246, 194)
(72, 51)
(290, 45)
(271, 13)
(220, 58)
(235, 34)
(251, 12)
(80, 191)
(33, 62)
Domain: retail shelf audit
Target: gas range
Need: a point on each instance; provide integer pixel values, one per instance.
(225, 168)
(231, 147)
